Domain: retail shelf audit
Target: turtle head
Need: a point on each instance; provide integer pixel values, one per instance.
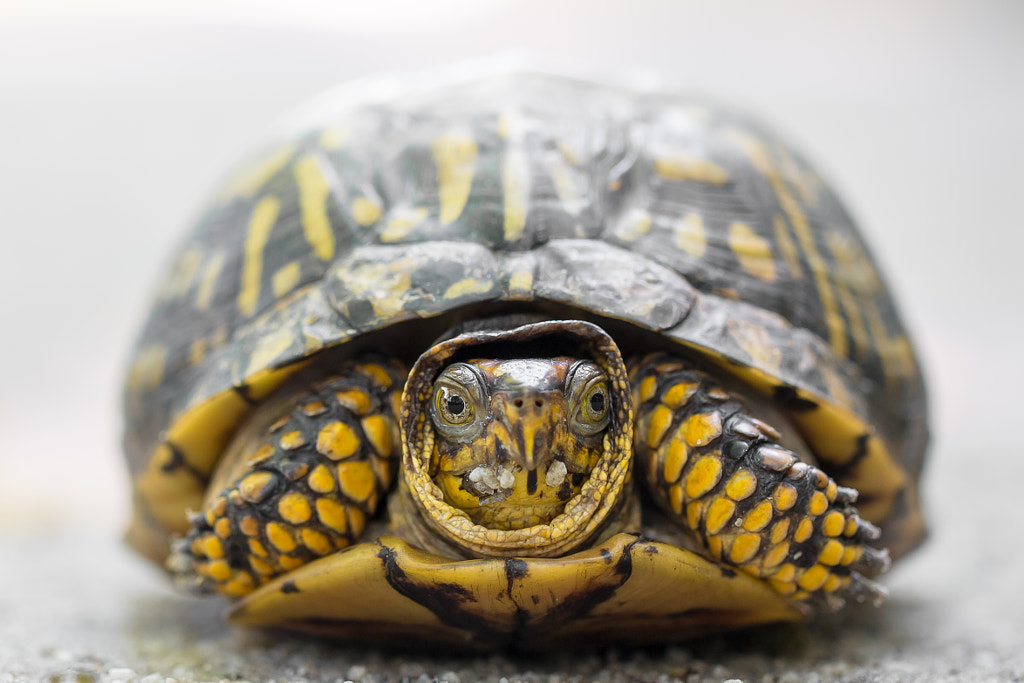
(516, 438)
(515, 442)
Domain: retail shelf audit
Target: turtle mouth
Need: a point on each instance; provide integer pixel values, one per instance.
(512, 521)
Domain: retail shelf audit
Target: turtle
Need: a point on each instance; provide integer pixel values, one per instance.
(521, 360)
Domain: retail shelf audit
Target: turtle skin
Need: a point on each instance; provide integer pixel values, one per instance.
(669, 222)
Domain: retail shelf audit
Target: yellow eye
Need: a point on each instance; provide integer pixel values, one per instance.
(594, 407)
(590, 399)
(453, 406)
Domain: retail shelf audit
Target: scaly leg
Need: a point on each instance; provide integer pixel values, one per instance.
(722, 473)
(298, 483)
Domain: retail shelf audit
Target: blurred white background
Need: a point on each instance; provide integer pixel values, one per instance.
(116, 117)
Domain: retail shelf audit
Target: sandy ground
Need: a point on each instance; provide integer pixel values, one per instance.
(81, 607)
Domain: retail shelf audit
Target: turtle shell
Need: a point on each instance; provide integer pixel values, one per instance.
(668, 221)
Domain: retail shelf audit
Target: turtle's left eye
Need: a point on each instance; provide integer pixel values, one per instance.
(589, 398)
(457, 403)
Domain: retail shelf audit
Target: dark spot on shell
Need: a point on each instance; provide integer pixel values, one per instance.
(515, 569)
(860, 451)
(788, 397)
(606, 555)
(359, 312)
(289, 587)
(727, 572)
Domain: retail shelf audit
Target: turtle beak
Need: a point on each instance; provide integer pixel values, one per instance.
(530, 417)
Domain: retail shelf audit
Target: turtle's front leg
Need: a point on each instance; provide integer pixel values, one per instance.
(723, 473)
(299, 481)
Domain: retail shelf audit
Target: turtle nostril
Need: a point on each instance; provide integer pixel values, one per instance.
(518, 403)
(539, 402)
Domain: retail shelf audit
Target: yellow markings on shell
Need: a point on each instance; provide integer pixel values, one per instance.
(661, 420)
(204, 294)
(703, 477)
(320, 480)
(758, 344)
(378, 432)
(356, 400)
(702, 428)
(356, 480)
(292, 440)
(197, 351)
(180, 280)
(337, 441)
(249, 182)
(690, 235)
(334, 137)
(515, 178)
(648, 388)
(269, 348)
(675, 460)
(758, 154)
(832, 553)
(293, 507)
(776, 555)
(455, 158)
(255, 487)
(520, 282)
(759, 516)
(468, 286)
(634, 225)
(744, 547)
(840, 250)
(719, 514)
(313, 194)
(261, 222)
(402, 221)
(316, 541)
(285, 279)
(833, 523)
(785, 496)
(147, 371)
(741, 485)
(818, 504)
(803, 530)
(332, 514)
(813, 578)
(679, 394)
(752, 251)
(788, 248)
(780, 530)
(280, 537)
(366, 211)
(680, 167)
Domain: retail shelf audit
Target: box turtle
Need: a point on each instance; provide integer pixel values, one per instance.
(519, 361)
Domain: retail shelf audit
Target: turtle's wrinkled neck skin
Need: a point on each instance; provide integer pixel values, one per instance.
(517, 438)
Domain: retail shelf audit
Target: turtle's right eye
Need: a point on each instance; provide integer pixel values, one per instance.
(458, 402)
